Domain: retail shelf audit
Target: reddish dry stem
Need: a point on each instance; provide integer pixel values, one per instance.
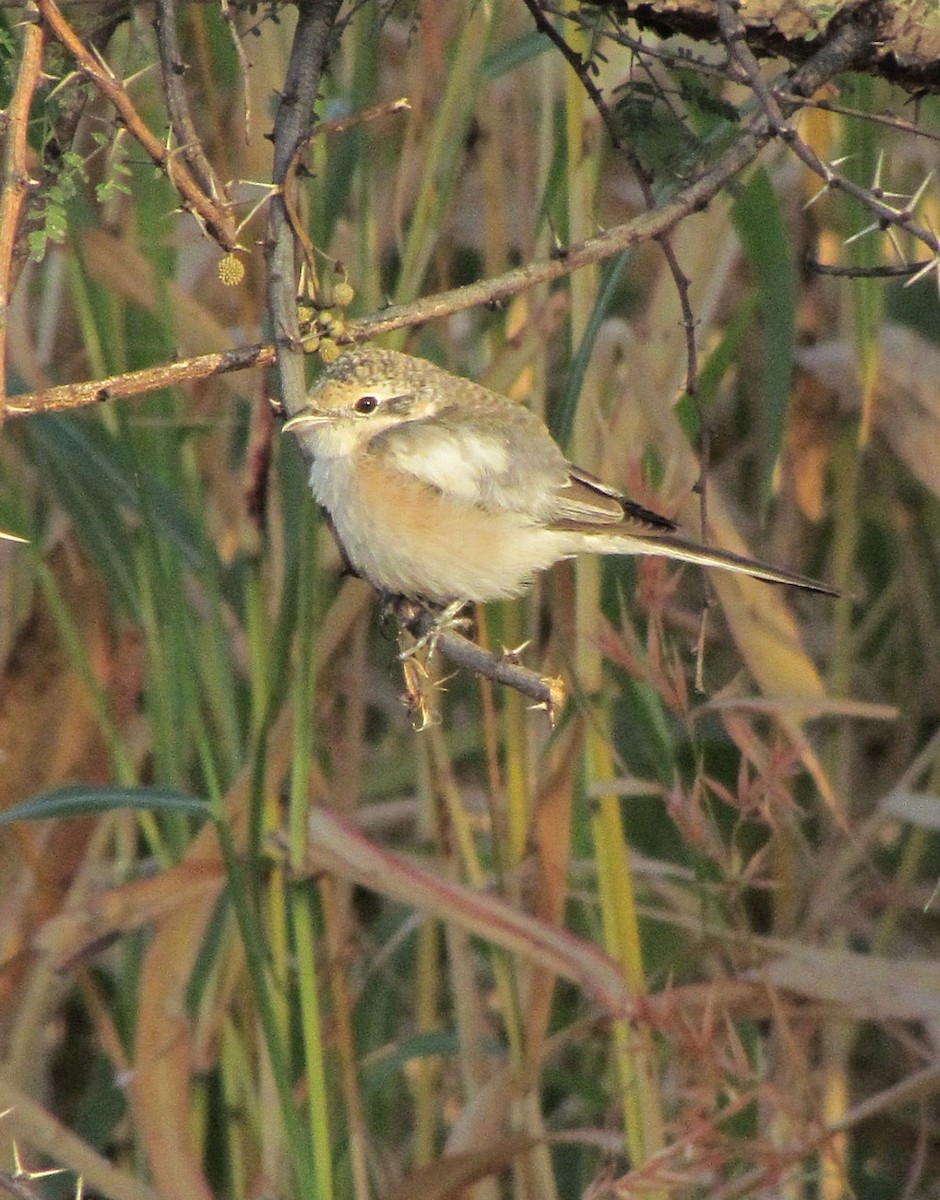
(16, 177)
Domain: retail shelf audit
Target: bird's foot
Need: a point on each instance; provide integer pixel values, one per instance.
(432, 625)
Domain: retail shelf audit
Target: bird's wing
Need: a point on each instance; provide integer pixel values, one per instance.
(584, 500)
(504, 458)
(500, 460)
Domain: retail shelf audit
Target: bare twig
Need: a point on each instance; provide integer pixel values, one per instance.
(288, 194)
(292, 128)
(217, 219)
(545, 691)
(845, 110)
(15, 174)
(244, 66)
(136, 383)
(173, 68)
(731, 28)
(387, 108)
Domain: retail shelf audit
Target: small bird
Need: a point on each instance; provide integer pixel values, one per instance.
(443, 491)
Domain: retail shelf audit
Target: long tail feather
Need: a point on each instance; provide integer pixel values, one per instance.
(685, 551)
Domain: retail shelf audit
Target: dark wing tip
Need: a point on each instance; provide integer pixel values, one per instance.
(636, 512)
(612, 499)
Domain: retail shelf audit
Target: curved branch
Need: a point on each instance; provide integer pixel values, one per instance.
(292, 128)
(837, 55)
(906, 50)
(172, 69)
(217, 219)
(15, 175)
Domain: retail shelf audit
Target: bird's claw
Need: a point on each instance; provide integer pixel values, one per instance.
(449, 618)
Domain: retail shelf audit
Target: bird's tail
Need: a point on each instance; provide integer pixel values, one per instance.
(678, 548)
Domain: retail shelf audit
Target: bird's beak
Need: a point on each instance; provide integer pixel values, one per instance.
(304, 420)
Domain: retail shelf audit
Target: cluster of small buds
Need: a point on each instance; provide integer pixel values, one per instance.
(325, 328)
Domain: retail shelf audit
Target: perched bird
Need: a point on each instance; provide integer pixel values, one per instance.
(442, 491)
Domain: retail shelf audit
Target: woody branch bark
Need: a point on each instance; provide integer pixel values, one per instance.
(173, 69)
(217, 219)
(836, 55)
(906, 50)
(292, 127)
(15, 175)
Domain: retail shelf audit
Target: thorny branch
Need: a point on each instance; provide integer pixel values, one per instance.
(776, 111)
(544, 691)
(15, 174)
(779, 102)
(837, 55)
(292, 128)
(172, 68)
(217, 218)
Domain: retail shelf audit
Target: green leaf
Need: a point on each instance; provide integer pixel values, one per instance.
(99, 466)
(562, 417)
(387, 1064)
(760, 226)
(96, 520)
(661, 140)
(89, 800)
(715, 368)
(37, 242)
(514, 54)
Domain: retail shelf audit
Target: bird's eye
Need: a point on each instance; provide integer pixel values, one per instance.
(366, 404)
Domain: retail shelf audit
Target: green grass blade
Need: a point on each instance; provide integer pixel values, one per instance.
(760, 226)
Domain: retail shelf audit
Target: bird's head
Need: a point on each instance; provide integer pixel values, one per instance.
(364, 393)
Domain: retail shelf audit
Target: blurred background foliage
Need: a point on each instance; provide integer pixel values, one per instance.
(683, 943)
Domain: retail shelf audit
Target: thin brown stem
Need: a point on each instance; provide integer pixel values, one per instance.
(15, 175)
(921, 1085)
(217, 219)
(292, 127)
(181, 122)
